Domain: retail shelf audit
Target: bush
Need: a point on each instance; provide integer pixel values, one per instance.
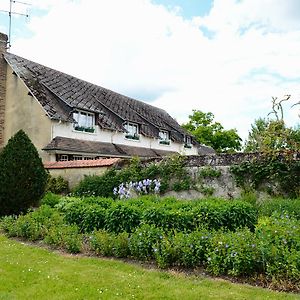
(22, 175)
(109, 244)
(181, 249)
(50, 199)
(233, 253)
(33, 225)
(279, 205)
(230, 215)
(121, 218)
(57, 185)
(64, 236)
(142, 241)
(98, 185)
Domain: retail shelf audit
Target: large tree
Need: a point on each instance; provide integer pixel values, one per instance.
(22, 175)
(272, 134)
(208, 132)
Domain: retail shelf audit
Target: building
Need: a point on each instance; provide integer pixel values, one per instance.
(70, 119)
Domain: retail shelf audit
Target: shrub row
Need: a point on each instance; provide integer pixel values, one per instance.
(45, 224)
(167, 214)
(272, 249)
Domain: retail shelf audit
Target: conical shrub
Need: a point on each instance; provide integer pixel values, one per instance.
(22, 175)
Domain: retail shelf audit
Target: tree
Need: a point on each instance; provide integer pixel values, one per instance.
(202, 126)
(273, 134)
(22, 175)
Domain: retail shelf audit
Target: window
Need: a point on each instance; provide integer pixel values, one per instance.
(84, 121)
(164, 137)
(132, 131)
(77, 157)
(64, 157)
(188, 142)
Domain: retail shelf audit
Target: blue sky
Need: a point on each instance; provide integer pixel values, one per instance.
(188, 8)
(229, 57)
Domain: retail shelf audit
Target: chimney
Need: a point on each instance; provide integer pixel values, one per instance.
(3, 68)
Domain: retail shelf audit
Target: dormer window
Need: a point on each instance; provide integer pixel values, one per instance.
(84, 121)
(187, 142)
(132, 131)
(164, 137)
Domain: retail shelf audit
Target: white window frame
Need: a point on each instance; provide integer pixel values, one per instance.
(132, 131)
(83, 120)
(164, 137)
(187, 142)
(64, 157)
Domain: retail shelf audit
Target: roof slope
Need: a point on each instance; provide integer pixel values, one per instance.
(106, 162)
(60, 94)
(102, 149)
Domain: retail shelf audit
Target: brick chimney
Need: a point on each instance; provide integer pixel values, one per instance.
(3, 68)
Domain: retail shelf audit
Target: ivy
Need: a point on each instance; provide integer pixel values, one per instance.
(277, 172)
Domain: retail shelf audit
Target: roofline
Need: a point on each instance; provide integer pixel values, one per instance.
(29, 90)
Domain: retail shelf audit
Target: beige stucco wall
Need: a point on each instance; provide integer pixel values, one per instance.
(75, 175)
(24, 112)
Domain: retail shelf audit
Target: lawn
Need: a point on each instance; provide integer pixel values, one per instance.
(28, 272)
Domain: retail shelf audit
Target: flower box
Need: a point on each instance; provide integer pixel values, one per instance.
(164, 142)
(132, 137)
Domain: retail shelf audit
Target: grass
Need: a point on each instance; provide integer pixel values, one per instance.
(28, 272)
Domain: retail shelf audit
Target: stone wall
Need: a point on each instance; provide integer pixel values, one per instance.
(3, 70)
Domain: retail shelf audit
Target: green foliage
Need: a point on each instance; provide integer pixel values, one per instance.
(210, 234)
(122, 217)
(181, 249)
(278, 171)
(57, 185)
(22, 175)
(98, 185)
(270, 135)
(233, 253)
(109, 244)
(50, 199)
(202, 126)
(168, 214)
(141, 242)
(280, 205)
(209, 172)
(64, 236)
(169, 170)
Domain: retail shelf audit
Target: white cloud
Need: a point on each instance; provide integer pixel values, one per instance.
(134, 46)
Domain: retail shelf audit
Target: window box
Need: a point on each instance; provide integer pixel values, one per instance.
(164, 142)
(188, 146)
(132, 136)
(89, 129)
(79, 128)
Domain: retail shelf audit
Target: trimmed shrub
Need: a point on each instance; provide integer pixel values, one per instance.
(121, 218)
(22, 175)
(57, 185)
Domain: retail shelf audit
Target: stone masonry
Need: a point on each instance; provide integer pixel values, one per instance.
(3, 69)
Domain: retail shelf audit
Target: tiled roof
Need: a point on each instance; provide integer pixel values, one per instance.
(104, 162)
(102, 149)
(60, 94)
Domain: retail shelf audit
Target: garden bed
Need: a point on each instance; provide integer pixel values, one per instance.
(220, 238)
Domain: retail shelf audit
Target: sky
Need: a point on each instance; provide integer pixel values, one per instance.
(228, 57)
